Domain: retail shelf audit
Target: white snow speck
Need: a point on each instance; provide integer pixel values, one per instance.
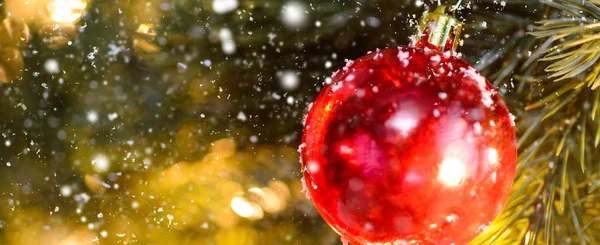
(512, 119)
(100, 163)
(227, 43)
(92, 117)
(289, 80)
(451, 218)
(224, 6)
(51, 66)
(403, 57)
(344, 241)
(294, 14)
(349, 63)
(181, 67)
(349, 78)
(92, 55)
(170, 218)
(486, 95)
(276, 96)
(304, 188)
(442, 95)
(477, 128)
(300, 147)
(402, 121)
(447, 54)
(378, 55)
(114, 49)
(241, 116)
(492, 156)
(336, 86)
(112, 116)
(253, 139)
(66, 191)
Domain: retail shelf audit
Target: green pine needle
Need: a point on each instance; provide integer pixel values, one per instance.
(575, 33)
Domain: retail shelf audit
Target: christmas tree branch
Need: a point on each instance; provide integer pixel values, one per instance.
(575, 31)
(553, 200)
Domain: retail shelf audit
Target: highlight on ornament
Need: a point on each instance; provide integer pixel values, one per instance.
(410, 145)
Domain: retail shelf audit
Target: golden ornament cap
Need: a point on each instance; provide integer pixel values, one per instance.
(439, 30)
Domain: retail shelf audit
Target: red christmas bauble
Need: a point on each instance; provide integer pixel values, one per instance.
(409, 146)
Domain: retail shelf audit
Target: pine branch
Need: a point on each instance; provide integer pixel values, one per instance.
(552, 201)
(575, 33)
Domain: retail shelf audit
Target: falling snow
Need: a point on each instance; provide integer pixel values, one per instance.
(289, 80)
(125, 121)
(51, 66)
(224, 6)
(294, 14)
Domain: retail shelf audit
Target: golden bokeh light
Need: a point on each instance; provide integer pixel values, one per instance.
(247, 209)
(270, 200)
(66, 11)
(94, 184)
(81, 237)
(29, 11)
(47, 11)
(224, 217)
(14, 33)
(213, 195)
(54, 20)
(222, 148)
(143, 42)
(174, 176)
(146, 29)
(11, 64)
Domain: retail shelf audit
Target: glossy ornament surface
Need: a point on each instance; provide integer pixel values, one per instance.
(409, 146)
